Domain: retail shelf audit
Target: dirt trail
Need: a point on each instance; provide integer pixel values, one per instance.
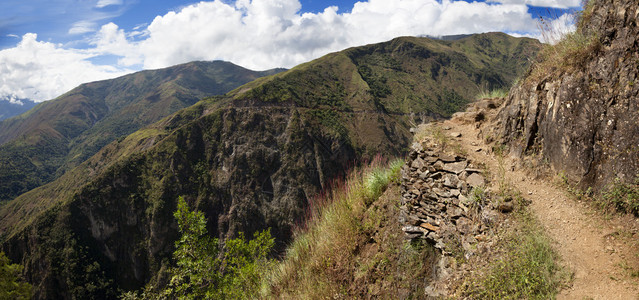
(591, 246)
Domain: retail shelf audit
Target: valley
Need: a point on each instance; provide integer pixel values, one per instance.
(458, 168)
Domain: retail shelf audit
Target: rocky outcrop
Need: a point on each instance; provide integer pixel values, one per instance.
(583, 119)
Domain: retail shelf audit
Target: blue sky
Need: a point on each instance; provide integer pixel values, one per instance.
(50, 46)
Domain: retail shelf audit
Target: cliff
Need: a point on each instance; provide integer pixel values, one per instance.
(578, 109)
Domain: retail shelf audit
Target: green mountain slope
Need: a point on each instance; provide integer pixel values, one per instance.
(249, 160)
(57, 135)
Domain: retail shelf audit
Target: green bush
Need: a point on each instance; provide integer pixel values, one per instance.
(207, 269)
(11, 284)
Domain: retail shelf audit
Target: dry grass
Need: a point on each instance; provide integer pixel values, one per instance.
(570, 50)
(347, 249)
(498, 93)
(526, 269)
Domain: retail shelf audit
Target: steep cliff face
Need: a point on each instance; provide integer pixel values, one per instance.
(250, 160)
(582, 115)
(247, 169)
(57, 135)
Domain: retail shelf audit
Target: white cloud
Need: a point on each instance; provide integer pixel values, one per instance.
(41, 71)
(105, 3)
(543, 3)
(82, 27)
(263, 34)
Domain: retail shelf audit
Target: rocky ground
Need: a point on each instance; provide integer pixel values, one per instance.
(601, 250)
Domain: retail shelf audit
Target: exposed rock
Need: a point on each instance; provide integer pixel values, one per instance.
(445, 157)
(581, 117)
(455, 167)
(476, 180)
(451, 181)
(430, 227)
(412, 229)
(418, 163)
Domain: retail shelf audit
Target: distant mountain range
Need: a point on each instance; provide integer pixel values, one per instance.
(9, 109)
(55, 136)
(250, 159)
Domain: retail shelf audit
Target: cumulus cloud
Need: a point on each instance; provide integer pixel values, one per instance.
(263, 34)
(41, 71)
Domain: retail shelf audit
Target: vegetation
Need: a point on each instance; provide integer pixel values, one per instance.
(497, 93)
(206, 269)
(527, 268)
(57, 135)
(12, 286)
(623, 196)
(617, 196)
(351, 246)
(570, 50)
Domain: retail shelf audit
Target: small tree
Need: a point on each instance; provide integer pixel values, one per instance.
(205, 269)
(11, 284)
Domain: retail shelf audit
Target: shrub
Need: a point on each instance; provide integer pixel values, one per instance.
(11, 284)
(623, 196)
(207, 269)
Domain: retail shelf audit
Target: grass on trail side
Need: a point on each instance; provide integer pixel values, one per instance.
(525, 265)
(352, 245)
(527, 268)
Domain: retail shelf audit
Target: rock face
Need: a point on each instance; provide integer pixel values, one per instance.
(437, 202)
(584, 119)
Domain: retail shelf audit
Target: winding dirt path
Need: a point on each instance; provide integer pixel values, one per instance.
(601, 252)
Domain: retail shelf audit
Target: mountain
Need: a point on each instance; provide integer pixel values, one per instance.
(9, 109)
(57, 135)
(578, 108)
(250, 159)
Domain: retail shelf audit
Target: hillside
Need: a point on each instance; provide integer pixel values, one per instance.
(8, 109)
(57, 135)
(249, 160)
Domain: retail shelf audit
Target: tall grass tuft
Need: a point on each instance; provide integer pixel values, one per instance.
(329, 238)
(498, 93)
(568, 49)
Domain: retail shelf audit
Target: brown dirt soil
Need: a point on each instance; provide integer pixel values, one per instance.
(601, 250)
